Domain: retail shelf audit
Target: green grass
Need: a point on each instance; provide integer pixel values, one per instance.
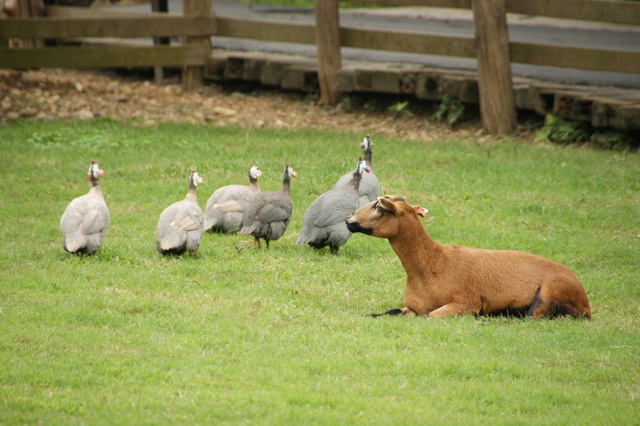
(280, 336)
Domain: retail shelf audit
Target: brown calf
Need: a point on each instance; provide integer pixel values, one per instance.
(446, 280)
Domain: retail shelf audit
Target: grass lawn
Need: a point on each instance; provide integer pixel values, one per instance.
(281, 336)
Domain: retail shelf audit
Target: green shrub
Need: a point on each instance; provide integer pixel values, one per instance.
(563, 131)
(450, 109)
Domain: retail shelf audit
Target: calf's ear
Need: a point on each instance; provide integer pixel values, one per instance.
(387, 204)
(420, 211)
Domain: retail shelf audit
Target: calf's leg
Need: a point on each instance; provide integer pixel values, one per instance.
(559, 296)
(453, 309)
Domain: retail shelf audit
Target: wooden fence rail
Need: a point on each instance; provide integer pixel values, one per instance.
(198, 23)
(610, 11)
(155, 26)
(109, 55)
(123, 26)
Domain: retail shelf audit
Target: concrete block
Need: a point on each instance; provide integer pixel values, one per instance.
(428, 86)
(385, 82)
(345, 81)
(521, 95)
(407, 82)
(580, 109)
(542, 100)
(253, 69)
(363, 81)
(304, 79)
(235, 68)
(625, 116)
(272, 73)
(214, 68)
(600, 114)
(463, 88)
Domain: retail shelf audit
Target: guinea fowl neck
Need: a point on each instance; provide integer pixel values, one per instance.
(286, 185)
(356, 179)
(367, 155)
(95, 187)
(191, 195)
(253, 183)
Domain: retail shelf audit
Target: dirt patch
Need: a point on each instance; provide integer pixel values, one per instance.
(85, 95)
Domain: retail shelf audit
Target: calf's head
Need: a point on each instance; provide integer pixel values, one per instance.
(383, 218)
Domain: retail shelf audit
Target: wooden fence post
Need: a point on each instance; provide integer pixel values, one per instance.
(328, 49)
(495, 86)
(160, 6)
(193, 76)
(24, 9)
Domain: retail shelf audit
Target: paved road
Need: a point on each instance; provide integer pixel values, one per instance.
(444, 22)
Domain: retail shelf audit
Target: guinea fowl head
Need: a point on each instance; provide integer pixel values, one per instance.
(194, 179)
(289, 172)
(254, 172)
(366, 143)
(362, 167)
(94, 173)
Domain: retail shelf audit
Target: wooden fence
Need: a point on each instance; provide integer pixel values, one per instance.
(198, 23)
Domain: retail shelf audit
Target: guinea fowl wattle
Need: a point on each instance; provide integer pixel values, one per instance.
(181, 224)
(225, 207)
(268, 215)
(325, 220)
(85, 221)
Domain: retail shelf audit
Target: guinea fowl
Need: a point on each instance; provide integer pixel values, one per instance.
(180, 226)
(225, 208)
(325, 220)
(369, 186)
(268, 215)
(85, 221)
